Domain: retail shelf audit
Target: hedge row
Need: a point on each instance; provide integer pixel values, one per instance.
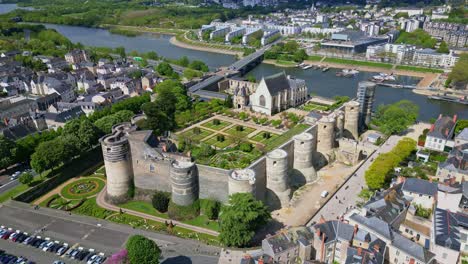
(379, 172)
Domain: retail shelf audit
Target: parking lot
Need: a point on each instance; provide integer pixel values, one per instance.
(86, 232)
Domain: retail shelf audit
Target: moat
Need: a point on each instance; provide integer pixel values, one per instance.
(319, 83)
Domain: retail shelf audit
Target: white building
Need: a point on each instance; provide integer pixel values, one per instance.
(420, 192)
(399, 52)
(269, 36)
(235, 33)
(410, 25)
(430, 58)
(277, 93)
(410, 11)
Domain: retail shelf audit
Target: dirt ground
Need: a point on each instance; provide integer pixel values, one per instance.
(306, 200)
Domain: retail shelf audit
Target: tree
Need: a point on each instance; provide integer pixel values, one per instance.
(211, 208)
(26, 178)
(160, 201)
(300, 55)
(183, 61)
(459, 74)
(142, 250)
(7, 147)
(199, 66)
(443, 48)
(156, 119)
(121, 52)
(241, 218)
(396, 118)
(88, 134)
(164, 69)
(106, 123)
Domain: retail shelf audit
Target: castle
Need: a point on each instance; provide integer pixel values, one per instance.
(137, 159)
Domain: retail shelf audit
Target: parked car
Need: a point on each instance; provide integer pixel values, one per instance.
(62, 249)
(28, 240)
(47, 246)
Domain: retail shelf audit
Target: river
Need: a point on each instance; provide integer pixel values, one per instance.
(319, 83)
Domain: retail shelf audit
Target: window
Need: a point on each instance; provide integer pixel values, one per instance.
(262, 100)
(151, 168)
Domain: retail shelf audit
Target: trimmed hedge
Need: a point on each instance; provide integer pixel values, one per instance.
(379, 172)
(160, 201)
(181, 213)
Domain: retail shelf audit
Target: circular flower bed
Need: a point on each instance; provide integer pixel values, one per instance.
(82, 188)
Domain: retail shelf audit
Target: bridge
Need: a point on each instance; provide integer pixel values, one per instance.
(239, 68)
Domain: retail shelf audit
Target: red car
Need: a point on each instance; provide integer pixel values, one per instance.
(7, 235)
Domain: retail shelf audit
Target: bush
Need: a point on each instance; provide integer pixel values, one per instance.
(142, 250)
(239, 128)
(276, 123)
(210, 208)
(161, 200)
(266, 135)
(246, 147)
(196, 130)
(180, 213)
(220, 138)
(216, 122)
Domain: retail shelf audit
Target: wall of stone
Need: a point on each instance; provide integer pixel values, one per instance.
(213, 183)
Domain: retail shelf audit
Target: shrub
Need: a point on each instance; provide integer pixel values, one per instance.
(196, 130)
(210, 208)
(216, 122)
(220, 138)
(246, 147)
(239, 128)
(423, 212)
(161, 200)
(266, 135)
(142, 250)
(276, 123)
(180, 213)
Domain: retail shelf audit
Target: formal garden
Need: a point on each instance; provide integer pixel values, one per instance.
(226, 143)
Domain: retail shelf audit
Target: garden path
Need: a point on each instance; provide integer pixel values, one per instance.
(104, 204)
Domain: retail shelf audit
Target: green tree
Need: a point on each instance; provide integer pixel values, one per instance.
(199, 66)
(161, 200)
(210, 208)
(300, 55)
(88, 134)
(396, 118)
(165, 69)
(459, 74)
(106, 123)
(157, 120)
(183, 61)
(26, 178)
(443, 48)
(7, 147)
(121, 52)
(241, 218)
(142, 250)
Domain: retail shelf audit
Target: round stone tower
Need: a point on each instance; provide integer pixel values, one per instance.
(325, 135)
(118, 164)
(351, 124)
(241, 181)
(183, 182)
(340, 119)
(278, 192)
(303, 150)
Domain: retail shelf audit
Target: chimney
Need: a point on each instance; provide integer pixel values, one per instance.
(432, 127)
(440, 116)
(446, 132)
(359, 251)
(322, 219)
(164, 148)
(356, 228)
(318, 232)
(455, 118)
(260, 261)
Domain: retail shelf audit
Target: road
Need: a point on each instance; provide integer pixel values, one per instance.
(101, 235)
(347, 196)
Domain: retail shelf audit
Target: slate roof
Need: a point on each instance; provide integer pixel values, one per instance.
(457, 160)
(276, 83)
(442, 127)
(387, 205)
(419, 186)
(463, 134)
(289, 239)
(446, 229)
(64, 116)
(412, 248)
(334, 230)
(373, 224)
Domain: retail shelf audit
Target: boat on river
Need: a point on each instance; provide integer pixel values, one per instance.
(383, 77)
(450, 98)
(325, 69)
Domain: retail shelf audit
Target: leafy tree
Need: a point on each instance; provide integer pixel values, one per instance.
(26, 178)
(241, 218)
(210, 208)
(151, 55)
(199, 66)
(106, 123)
(183, 101)
(156, 119)
(183, 61)
(190, 74)
(121, 52)
(88, 134)
(459, 74)
(461, 124)
(161, 200)
(133, 104)
(396, 118)
(142, 250)
(443, 48)
(7, 147)
(418, 37)
(300, 55)
(165, 69)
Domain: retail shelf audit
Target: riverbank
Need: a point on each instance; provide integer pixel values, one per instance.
(426, 78)
(166, 31)
(176, 42)
(284, 64)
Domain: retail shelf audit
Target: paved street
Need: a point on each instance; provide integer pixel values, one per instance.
(98, 234)
(347, 195)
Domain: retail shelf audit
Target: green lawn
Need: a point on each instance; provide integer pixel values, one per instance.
(286, 136)
(259, 138)
(286, 63)
(222, 124)
(418, 69)
(359, 63)
(312, 106)
(247, 130)
(314, 58)
(90, 208)
(15, 191)
(213, 141)
(147, 208)
(196, 137)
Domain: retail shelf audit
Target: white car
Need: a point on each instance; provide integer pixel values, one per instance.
(324, 194)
